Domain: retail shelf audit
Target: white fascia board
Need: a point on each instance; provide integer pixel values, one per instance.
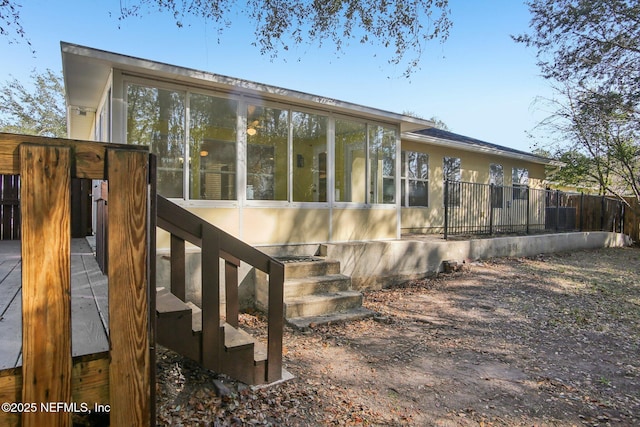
(408, 136)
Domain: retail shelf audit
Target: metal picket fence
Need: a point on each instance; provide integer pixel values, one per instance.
(487, 209)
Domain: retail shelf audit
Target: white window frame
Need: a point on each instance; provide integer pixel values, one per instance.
(122, 80)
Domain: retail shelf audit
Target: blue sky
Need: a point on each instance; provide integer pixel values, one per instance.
(479, 82)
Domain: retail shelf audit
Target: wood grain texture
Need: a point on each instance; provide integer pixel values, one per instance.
(46, 280)
(90, 380)
(87, 159)
(129, 371)
(212, 333)
(276, 321)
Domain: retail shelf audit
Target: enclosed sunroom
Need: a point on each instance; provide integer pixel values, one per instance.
(269, 165)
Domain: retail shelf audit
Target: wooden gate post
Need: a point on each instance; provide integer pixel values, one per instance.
(46, 281)
(130, 367)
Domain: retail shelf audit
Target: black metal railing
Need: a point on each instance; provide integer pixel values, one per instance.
(477, 209)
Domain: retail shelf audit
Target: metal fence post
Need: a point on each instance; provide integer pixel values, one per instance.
(446, 208)
(528, 208)
(491, 197)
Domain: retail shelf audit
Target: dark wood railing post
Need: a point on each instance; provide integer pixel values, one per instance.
(232, 305)
(276, 321)
(212, 336)
(178, 267)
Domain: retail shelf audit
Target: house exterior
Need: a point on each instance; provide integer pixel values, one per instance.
(274, 166)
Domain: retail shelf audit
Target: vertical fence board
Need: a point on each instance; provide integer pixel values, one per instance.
(46, 281)
(631, 219)
(129, 371)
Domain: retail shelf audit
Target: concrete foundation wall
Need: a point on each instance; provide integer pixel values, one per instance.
(375, 265)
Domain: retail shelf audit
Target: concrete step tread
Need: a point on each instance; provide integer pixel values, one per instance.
(322, 297)
(316, 279)
(305, 323)
(311, 268)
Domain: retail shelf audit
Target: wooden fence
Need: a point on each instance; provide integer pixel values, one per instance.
(10, 207)
(632, 219)
(123, 377)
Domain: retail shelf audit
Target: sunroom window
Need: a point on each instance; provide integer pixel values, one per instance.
(309, 157)
(212, 147)
(267, 153)
(382, 164)
(350, 161)
(155, 117)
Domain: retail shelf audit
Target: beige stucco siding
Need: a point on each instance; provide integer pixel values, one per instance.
(474, 168)
(285, 225)
(364, 224)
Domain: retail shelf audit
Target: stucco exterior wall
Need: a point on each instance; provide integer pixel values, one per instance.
(474, 168)
(293, 226)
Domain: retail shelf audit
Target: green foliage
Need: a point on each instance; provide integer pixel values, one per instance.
(35, 111)
(591, 49)
(401, 26)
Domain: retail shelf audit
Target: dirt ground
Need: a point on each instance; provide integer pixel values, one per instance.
(552, 340)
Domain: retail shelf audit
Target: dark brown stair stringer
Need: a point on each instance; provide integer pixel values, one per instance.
(179, 328)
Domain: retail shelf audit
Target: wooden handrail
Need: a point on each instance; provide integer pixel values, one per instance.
(188, 226)
(185, 226)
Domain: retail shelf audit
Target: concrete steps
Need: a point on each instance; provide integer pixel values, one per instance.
(316, 293)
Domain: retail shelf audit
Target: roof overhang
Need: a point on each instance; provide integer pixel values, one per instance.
(86, 72)
(425, 139)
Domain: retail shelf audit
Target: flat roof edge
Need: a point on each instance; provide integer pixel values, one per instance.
(479, 148)
(151, 68)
